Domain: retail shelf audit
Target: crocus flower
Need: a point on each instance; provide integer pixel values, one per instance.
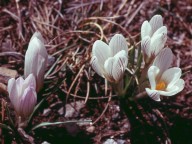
(23, 95)
(164, 81)
(154, 36)
(110, 61)
(36, 59)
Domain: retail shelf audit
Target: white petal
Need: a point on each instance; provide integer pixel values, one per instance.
(171, 76)
(152, 74)
(161, 30)
(13, 94)
(96, 66)
(43, 53)
(176, 88)
(145, 45)
(19, 81)
(156, 22)
(101, 50)
(145, 29)
(11, 87)
(29, 81)
(157, 43)
(27, 102)
(35, 48)
(30, 65)
(31, 58)
(40, 72)
(121, 53)
(119, 65)
(37, 45)
(180, 84)
(118, 43)
(37, 35)
(154, 94)
(163, 60)
(19, 85)
(108, 66)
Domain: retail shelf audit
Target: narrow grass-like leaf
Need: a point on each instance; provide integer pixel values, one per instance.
(139, 61)
(49, 71)
(54, 88)
(128, 83)
(43, 100)
(139, 58)
(36, 108)
(4, 126)
(58, 123)
(9, 116)
(132, 56)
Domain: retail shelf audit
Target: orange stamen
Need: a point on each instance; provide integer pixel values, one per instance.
(161, 85)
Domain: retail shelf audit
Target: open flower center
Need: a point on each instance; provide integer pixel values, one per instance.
(161, 85)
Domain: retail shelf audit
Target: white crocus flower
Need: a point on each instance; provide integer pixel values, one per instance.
(164, 81)
(110, 61)
(154, 36)
(36, 59)
(23, 95)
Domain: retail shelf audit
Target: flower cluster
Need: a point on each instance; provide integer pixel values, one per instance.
(111, 61)
(163, 80)
(23, 93)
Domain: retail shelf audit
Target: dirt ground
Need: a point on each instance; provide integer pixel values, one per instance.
(75, 91)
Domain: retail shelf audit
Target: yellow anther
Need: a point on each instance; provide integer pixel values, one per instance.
(161, 85)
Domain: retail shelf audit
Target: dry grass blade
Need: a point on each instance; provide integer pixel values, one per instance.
(71, 86)
(105, 109)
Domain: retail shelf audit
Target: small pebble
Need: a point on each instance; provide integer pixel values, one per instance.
(126, 126)
(110, 141)
(60, 111)
(90, 129)
(45, 142)
(115, 116)
(120, 141)
(46, 112)
(72, 109)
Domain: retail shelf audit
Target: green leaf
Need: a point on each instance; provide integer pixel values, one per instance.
(58, 123)
(36, 108)
(56, 87)
(52, 89)
(52, 67)
(128, 83)
(132, 56)
(139, 61)
(9, 116)
(4, 126)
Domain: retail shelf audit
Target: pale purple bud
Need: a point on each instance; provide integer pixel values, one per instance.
(22, 95)
(27, 101)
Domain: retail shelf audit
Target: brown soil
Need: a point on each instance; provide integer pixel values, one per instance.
(70, 29)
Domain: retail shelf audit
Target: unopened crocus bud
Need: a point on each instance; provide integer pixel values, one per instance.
(23, 95)
(36, 59)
